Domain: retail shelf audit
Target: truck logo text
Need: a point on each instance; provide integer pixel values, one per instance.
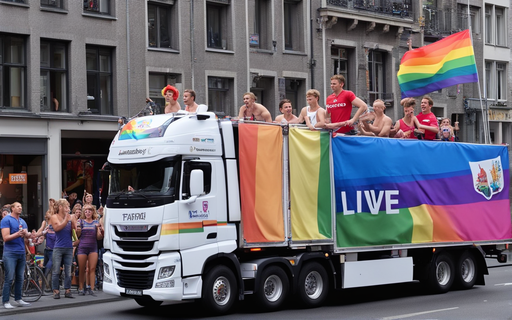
(132, 151)
(373, 201)
(134, 216)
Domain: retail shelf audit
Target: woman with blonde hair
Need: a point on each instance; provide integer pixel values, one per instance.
(90, 232)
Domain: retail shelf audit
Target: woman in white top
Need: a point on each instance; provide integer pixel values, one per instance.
(313, 114)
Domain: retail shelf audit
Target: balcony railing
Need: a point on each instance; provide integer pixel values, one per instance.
(398, 8)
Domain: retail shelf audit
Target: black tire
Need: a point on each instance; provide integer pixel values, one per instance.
(441, 273)
(39, 277)
(148, 303)
(466, 270)
(273, 289)
(219, 290)
(313, 285)
(30, 290)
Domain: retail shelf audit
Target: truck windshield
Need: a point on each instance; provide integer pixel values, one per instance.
(154, 178)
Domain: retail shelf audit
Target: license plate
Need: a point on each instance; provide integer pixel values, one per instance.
(136, 228)
(133, 292)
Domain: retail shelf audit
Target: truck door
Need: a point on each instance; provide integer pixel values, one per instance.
(198, 213)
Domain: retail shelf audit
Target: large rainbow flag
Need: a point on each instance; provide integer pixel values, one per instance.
(310, 185)
(445, 63)
(382, 199)
(261, 182)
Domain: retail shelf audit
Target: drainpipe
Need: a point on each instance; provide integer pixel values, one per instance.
(192, 52)
(128, 70)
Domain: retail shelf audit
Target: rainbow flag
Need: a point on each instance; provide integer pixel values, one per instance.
(382, 199)
(445, 63)
(261, 182)
(310, 185)
(144, 128)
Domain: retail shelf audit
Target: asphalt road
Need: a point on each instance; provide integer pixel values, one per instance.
(404, 301)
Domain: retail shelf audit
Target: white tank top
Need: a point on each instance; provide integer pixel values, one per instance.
(312, 116)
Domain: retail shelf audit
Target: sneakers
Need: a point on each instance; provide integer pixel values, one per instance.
(81, 293)
(8, 305)
(90, 292)
(68, 295)
(56, 295)
(22, 303)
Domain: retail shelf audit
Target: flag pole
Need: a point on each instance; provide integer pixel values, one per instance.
(485, 115)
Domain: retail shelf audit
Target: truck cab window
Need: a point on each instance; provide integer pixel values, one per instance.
(206, 167)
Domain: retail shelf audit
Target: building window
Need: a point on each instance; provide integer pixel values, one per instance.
(220, 95)
(496, 80)
(53, 78)
(376, 72)
(97, 6)
(340, 63)
(501, 27)
(488, 25)
(12, 72)
(260, 36)
(218, 24)
(52, 3)
(157, 81)
(99, 79)
(161, 23)
(293, 25)
(474, 13)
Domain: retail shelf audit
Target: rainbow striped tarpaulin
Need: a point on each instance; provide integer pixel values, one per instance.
(433, 192)
(261, 182)
(310, 185)
(444, 63)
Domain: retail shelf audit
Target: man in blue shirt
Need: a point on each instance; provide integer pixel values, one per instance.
(14, 232)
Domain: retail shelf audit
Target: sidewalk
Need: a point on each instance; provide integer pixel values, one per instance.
(48, 303)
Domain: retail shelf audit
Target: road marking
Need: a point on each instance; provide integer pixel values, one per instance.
(417, 314)
(504, 284)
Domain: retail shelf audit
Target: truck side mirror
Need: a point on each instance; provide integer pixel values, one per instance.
(196, 182)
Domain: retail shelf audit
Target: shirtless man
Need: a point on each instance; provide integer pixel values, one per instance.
(381, 125)
(285, 106)
(189, 99)
(252, 110)
(171, 95)
(313, 114)
(339, 106)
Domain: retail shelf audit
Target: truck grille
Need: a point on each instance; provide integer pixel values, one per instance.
(135, 279)
(138, 235)
(136, 246)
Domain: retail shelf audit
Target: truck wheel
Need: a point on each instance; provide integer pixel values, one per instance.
(466, 270)
(272, 289)
(148, 303)
(313, 285)
(219, 290)
(441, 273)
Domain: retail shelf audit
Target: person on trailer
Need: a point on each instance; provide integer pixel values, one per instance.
(313, 114)
(252, 110)
(14, 233)
(171, 95)
(427, 119)
(375, 123)
(339, 106)
(189, 99)
(285, 106)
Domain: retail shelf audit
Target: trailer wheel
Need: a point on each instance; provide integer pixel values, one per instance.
(466, 270)
(148, 303)
(441, 273)
(313, 285)
(219, 290)
(272, 289)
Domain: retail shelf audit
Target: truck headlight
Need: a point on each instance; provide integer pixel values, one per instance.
(106, 269)
(166, 272)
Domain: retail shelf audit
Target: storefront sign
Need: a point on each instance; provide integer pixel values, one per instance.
(500, 115)
(17, 178)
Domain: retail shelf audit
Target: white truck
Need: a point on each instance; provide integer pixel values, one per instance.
(218, 211)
